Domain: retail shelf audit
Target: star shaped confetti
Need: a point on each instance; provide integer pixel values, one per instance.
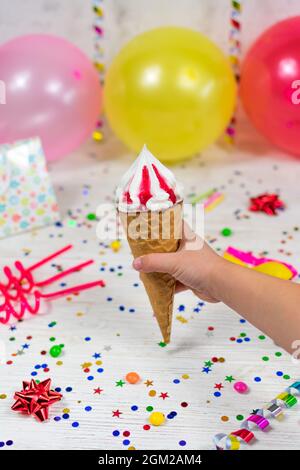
(116, 414)
(97, 391)
(107, 348)
(206, 369)
(164, 395)
(96, 355)
(120, 383)
(149, 383)
(229, 378)
(218, 386)
(208, 363)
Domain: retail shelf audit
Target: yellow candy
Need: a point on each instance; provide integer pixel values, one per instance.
(156, 418)
(115, 245)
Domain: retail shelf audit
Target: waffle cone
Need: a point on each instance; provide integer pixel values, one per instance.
(156, 232)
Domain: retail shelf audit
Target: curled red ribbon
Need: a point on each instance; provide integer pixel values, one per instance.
(22, 293)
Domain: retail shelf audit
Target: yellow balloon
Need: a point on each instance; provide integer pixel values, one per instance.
(172, 89)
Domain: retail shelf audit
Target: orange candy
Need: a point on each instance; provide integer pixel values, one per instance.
(132, 377)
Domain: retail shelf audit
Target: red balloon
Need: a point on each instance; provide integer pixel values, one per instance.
(270, 84)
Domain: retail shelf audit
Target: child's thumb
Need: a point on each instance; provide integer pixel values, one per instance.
(156, 263)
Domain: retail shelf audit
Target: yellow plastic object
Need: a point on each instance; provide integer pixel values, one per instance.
(275, 269)
(172, 89)
(233, 259)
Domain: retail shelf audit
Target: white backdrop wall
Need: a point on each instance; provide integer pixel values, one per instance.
(124, 19)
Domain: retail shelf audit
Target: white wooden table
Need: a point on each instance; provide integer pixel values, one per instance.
(127, 338)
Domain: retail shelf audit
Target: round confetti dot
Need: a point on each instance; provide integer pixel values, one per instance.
(55, 351)
(214, 359)
(131, 448)
(3, 396)
(239, 417)
(134, 408)
(226, 232)
(33, 373)
(261, 337)
(185, 376)
(286, 377)
(224, 418)
(9, 443)
(232, 338)
(2, 444)
(240, 387)
(152, 393)
(156, 418)
(278, 354)
(217, 394)
(116, 433)
(52, 339)
(279, 373)
(88, 408)
(126, 433)
(221, 359)
(149, 408)
(59, 363)
(172, 415)
(69, 389)
(239, 340)
(66, 416)
(184, 404)
(247, 339)
(176, 381)
(257, 379)
(132, 377)
(75, 424)
(265, 358)
(66, 410)
(100, 370)
(126, 442)
(146, 427)
(182, 443)
(87, 338)
(90, 377)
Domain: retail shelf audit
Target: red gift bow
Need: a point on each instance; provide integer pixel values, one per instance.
(18, 288)
(35, 399)
(268, 203)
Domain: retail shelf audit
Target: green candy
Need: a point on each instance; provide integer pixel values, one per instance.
(55, 351)
(226, 232)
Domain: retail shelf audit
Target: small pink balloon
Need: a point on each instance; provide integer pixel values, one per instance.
(240, 387)
(52, 91)
(270, 84)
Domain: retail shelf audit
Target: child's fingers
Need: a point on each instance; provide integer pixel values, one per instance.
(156, 263)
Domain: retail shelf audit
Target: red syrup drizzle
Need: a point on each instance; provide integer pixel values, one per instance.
(145, 187)
(164, 185)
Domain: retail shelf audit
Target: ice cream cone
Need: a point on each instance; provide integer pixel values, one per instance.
(156, 232)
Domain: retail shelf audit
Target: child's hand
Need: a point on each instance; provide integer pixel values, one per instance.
(193, 265)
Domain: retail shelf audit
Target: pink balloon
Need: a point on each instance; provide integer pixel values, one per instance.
(52, 91)
(270, 84)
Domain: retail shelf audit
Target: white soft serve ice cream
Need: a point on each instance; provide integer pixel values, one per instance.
(148, 185)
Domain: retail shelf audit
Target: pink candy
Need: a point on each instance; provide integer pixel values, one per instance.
(240, 387)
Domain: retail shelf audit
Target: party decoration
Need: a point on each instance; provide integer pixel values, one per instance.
(269, 78)
(27, 199)
(265, 265)
(210, 199)
(172, 88)
(234, 55)
(98, 56)
(240, 387)
(261, 419)
(21, 294)
(267, 203)
(35, 399)
(53, 92)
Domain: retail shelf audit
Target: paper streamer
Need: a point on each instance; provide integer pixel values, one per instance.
(98, 55)
(261, 419)
(234, 56)
(210, 199)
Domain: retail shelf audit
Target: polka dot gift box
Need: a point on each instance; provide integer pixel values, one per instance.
(27, 199)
